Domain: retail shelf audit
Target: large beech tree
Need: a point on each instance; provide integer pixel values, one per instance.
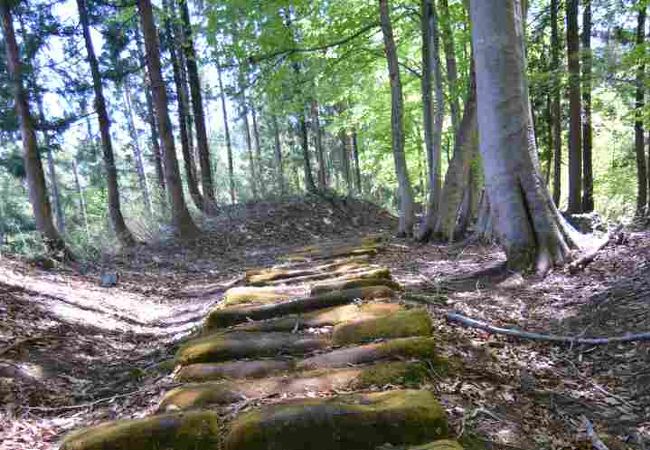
(181, 219)
(528, 225)
(33, 166)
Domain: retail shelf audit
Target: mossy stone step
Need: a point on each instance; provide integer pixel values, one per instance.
(444, 444)
(353, 422)
(233, 370)
(323, 317)
(199, 395)
(234, 345)
(278, 274)
(259, 295)
(414, 322)
(343, 283)
(402, 348)
(335, 250)
(177, 431)
(359, 273)
(228, 316)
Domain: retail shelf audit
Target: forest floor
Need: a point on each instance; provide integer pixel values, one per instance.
(73, 353)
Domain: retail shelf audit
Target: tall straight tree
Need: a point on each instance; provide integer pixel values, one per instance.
(318, 145)
(587, 132)
(114, 207)
(639, 132)
(310, 186)
(181, 219)
(33, 166)
(279, 167)
(433, 112)
(197, 109)
(529, 226)
(575, 108)
(450, 58)
(226, 127)
(556, 109)
(407, 213)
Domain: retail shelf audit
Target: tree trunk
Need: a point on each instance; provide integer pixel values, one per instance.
(458, 173)
(407, 215)
(575, 108)
(556, 110)
(197, 109)
(304, 135)
(137, 151)
(355, 155)
(226, 127)
(54, 182)
(151, 119)
(278, 156)
(587, 132)
(182, 99)
(434, 114)
(80, 193)
(450, 57)
(258, 152)
(181, 219)
(528, 225)
(318, 145)
(344, 137)
(114, 208)
(249, 148)
(639, 132)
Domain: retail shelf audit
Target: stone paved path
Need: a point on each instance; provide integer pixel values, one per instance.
(338, 362)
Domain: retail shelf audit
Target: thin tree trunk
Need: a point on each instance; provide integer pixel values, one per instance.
(548, 116)
(529, 227)
(33, 167)
(407, 215)
(434, 113)
(258, 152)
(181, 219)
(556, 110)
(249, 148)
(587, 133)
(450, 58)
(278, 156)
(304, 135)
(226, 127)
(197, 109)
(639, 132)
(357, 165)
(458, 173)
(345, 160)
(54, 182)
(182, 100)
(318, 145)
(151, 118)
(575, 108)
(114, 208)
(137, 151)
(80, 193)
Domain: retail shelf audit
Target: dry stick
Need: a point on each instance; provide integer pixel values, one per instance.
(587, 259)
(591, 434)
(473, 323)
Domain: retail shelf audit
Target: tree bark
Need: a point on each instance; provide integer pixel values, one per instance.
(407, 215)
(357, 165)
(318, 145)
(33, 167)
(278, 156)
(114, 207)
(181, 219)
(528, 225)
(137, 150)
(151, 119)
(304, 135)
(249, 148)
(197, 109)
(258, 152)
(434, 113)
(458, 173)
(587, 132)
(182, 100)
(639, 131)
(226, 127)
(556, 110)
(575, 108)
(80, 193)
(450, 58)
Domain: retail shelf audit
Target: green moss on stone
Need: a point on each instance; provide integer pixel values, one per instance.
(255, 295)
(179, 431)
(396, 373)
(199, 395)
(415, 322)
(357, 422)
(413, 347)
(444, 444)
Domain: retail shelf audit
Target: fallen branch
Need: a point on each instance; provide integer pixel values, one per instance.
(593, 436)
(585, 260)
(473, 323)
